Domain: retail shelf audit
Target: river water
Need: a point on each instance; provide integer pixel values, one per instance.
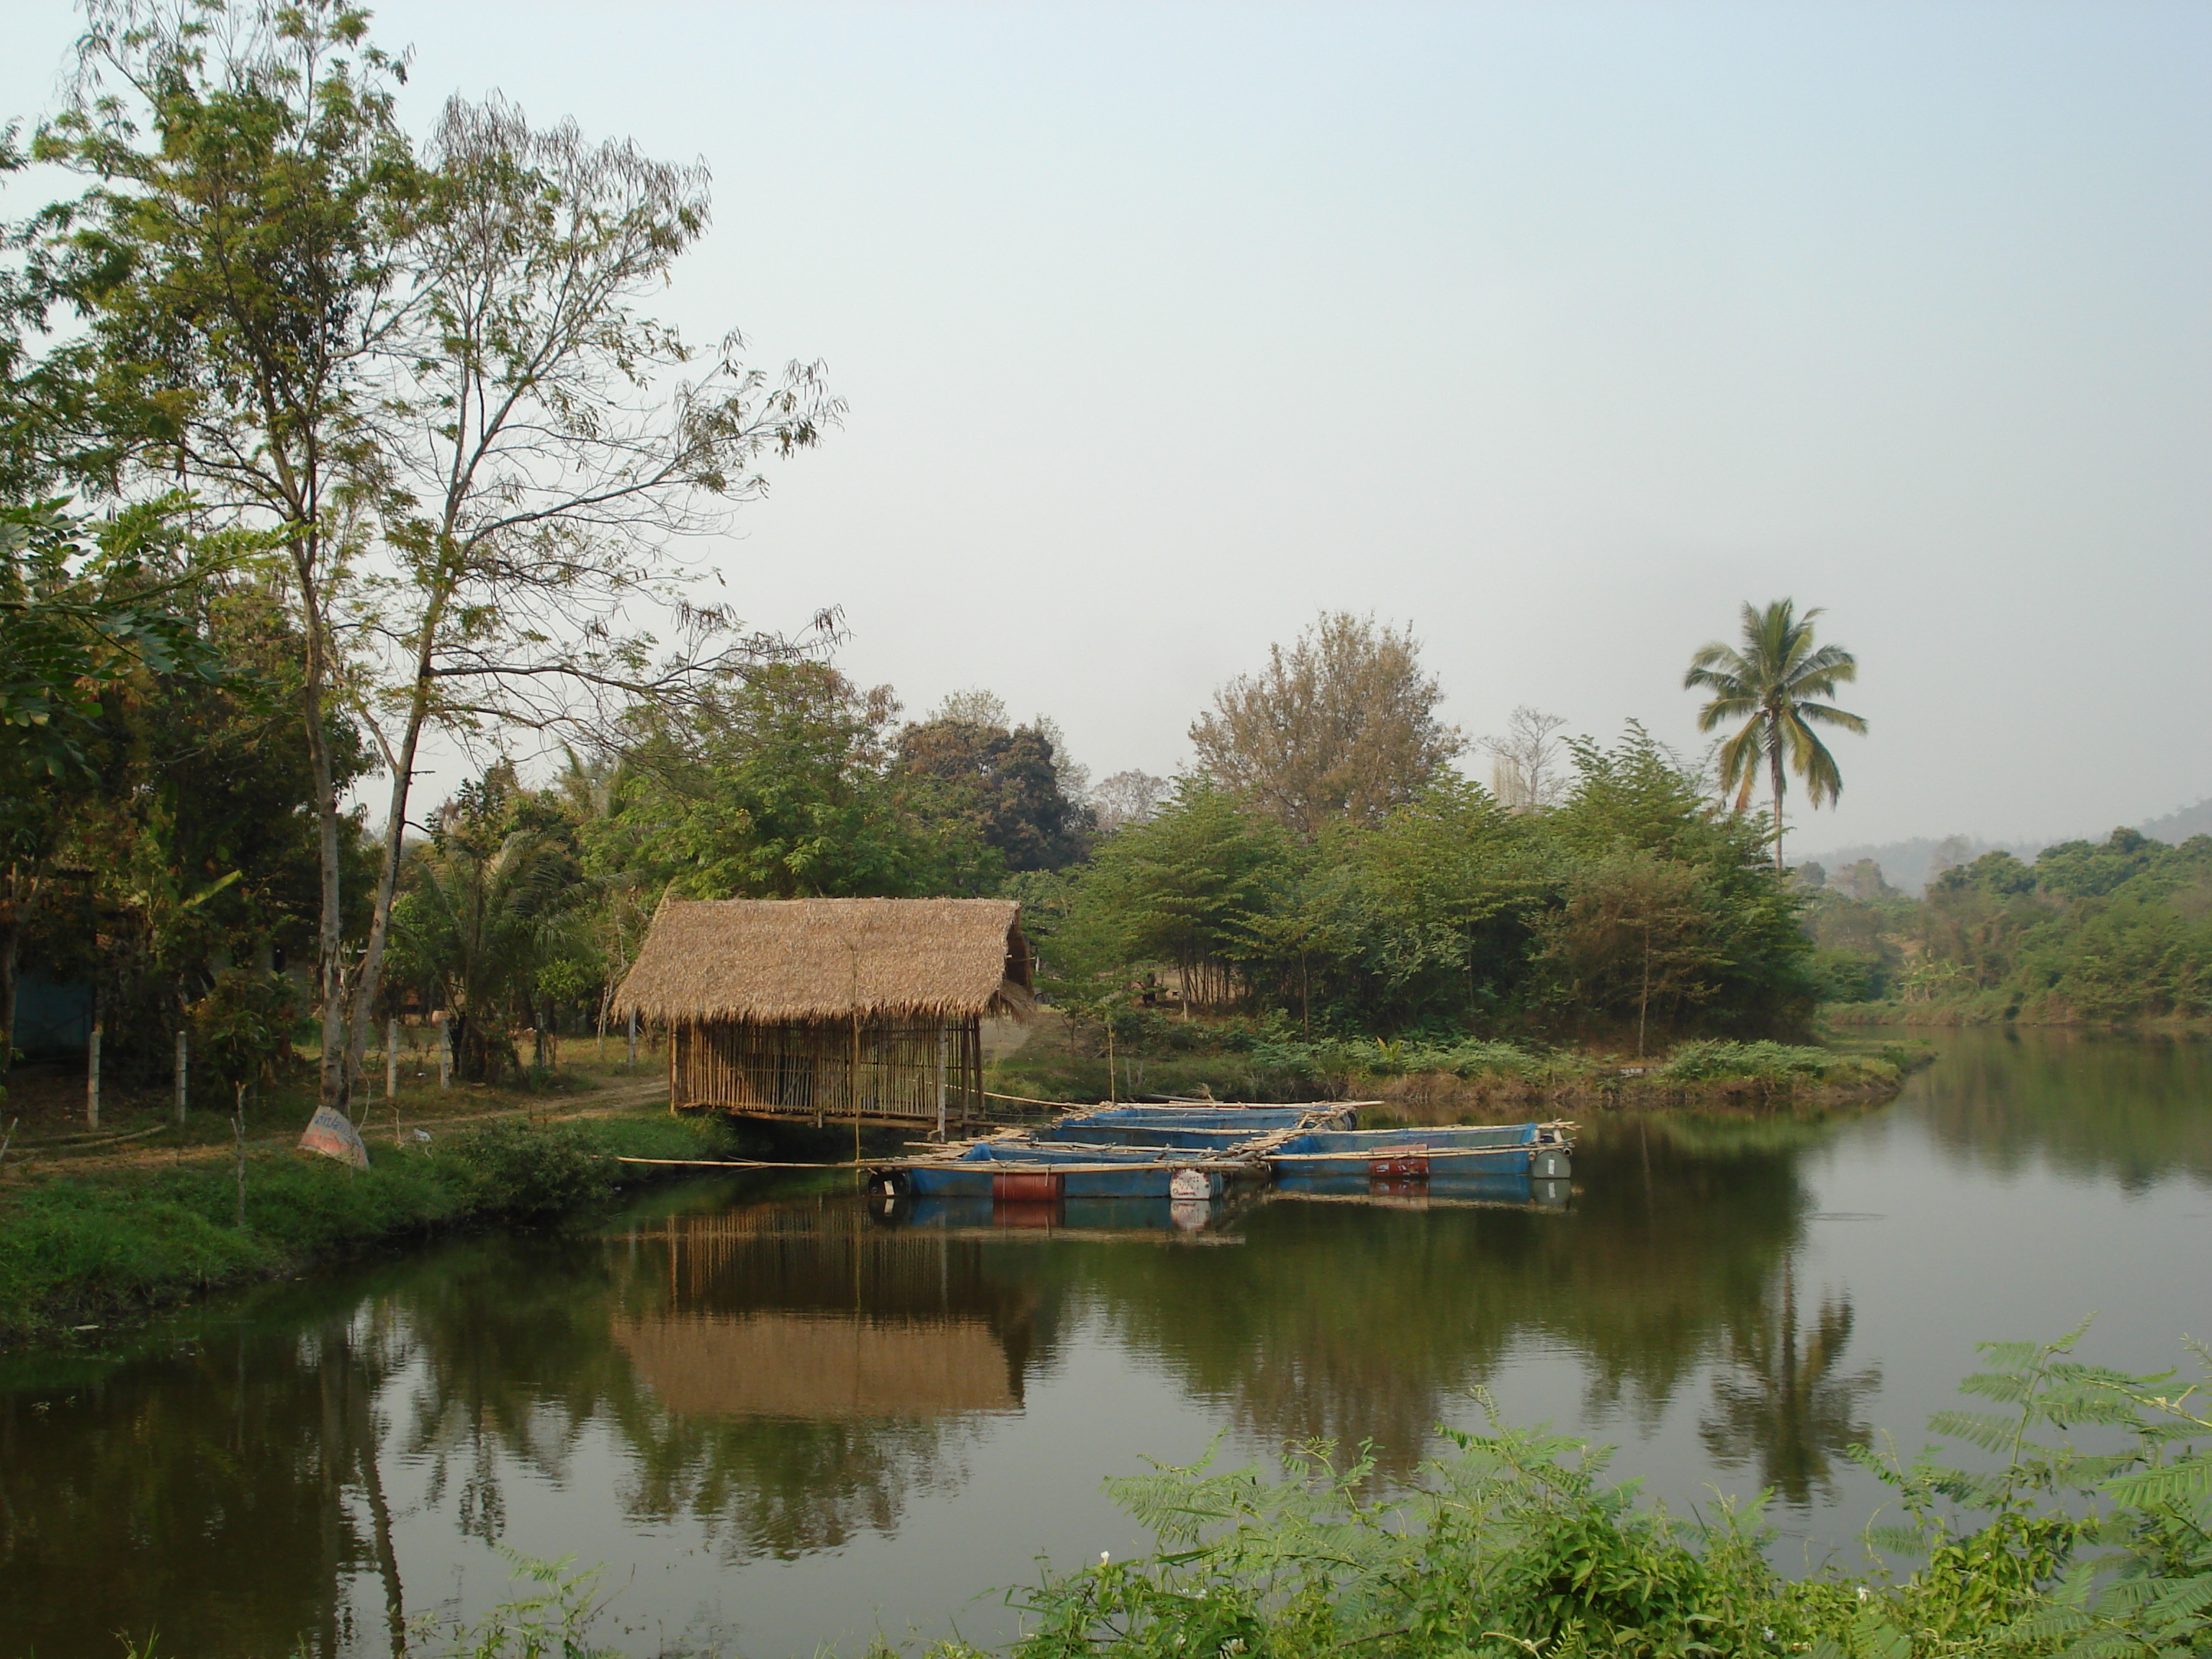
(782, 1422)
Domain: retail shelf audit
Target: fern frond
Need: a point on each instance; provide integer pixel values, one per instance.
(1990, 1432)
(2167, 1484)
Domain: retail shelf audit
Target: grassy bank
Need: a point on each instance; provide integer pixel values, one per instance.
(88, 1244)
(1432, 1082)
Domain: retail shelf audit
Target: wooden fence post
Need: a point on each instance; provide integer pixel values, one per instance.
(633, 1036)
(184, 1059)
(92, 1074)
(445, 1054)
(392, 1058)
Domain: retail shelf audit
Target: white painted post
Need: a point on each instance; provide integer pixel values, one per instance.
(392, 1058)
(184, 1056)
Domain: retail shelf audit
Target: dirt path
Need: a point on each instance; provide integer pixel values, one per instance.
(608, 1101)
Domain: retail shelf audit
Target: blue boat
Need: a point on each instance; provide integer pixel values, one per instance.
(1022, 1171)
(1251, 1120)
(1539, 1151)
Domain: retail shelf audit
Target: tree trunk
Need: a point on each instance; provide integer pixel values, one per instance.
(395, 832)
(334, 1083)
(1774, 766)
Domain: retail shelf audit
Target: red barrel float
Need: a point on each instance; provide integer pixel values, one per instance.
(1025, 1186)
(1413, 1167)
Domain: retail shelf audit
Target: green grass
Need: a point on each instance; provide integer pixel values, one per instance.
(89, 1245)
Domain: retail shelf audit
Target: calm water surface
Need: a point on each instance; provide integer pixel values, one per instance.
(783, 1422)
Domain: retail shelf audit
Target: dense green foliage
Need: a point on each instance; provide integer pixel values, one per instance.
(2112, 930)
(1636, 909)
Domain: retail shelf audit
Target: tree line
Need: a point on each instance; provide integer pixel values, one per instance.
(2119, 929)
(319, 438)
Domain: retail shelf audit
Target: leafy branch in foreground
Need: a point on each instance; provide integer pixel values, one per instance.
(1513, 1543)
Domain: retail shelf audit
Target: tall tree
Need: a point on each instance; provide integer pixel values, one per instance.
(536, 472)
(234, 256)
(1343, 723)
(1769, 683)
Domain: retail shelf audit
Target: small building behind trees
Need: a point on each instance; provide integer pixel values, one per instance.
(827, 1009)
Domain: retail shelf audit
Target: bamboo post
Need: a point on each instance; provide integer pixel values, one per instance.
(444, 1054)
(944, 1037)
(184, 1059)
(858, 1175)
(1110, 1055)
(633, 1037)
(392, 1058)
(238, 1132)
(92, 1074)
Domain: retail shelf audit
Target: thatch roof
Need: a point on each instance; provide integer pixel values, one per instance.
(773, 960)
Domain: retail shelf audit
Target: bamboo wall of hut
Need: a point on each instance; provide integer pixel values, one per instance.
(910, 1070)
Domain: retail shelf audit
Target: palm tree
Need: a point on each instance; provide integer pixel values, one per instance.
(1767, 684)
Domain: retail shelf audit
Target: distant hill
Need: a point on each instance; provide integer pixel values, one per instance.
(2178, 827)
(1910, 866)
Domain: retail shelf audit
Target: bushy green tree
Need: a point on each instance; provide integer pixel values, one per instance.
(779, 785)
(1001, 784)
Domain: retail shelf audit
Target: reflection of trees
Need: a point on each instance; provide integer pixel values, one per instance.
(1358, 1324)
(217, 1492)
(2094, 1104)
(1788, 1407)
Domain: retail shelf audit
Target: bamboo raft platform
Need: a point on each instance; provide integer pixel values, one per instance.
(1197, 1150)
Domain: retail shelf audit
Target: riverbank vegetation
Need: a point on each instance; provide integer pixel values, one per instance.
(89, 1245)
(1423, 1079)
(2091, 933)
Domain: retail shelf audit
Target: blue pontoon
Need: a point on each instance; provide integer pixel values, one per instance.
(1535, 1150)
(1024, 1172)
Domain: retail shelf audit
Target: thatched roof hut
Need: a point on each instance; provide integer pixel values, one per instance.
(765, 1000)
(765, 961)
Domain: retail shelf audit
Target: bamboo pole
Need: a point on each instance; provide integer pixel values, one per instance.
(238, 1132)
(184, 1059)
(392, 1062)
(92, 1074)
(633, 1037)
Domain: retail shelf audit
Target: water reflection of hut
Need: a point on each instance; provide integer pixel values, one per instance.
(765, 1001)
(803, 1308)
(778, 1364)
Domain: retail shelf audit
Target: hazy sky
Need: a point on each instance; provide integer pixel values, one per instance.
(1557, 331)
